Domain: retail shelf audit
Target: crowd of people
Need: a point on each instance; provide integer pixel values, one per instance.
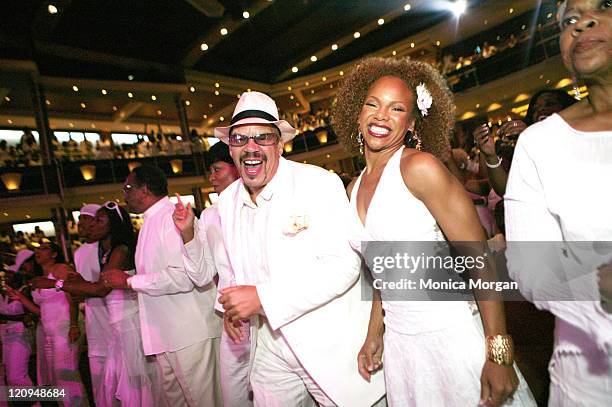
(270, 296)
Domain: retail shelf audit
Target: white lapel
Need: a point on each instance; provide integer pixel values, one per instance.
(230, 204)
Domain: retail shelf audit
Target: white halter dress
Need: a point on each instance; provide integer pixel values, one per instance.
(434, 350)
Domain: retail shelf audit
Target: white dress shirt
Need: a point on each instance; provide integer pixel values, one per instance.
(96, 315)
(174, 313)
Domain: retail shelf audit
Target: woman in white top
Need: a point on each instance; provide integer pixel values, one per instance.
(58, 333)
(559, 191)
(434, 351)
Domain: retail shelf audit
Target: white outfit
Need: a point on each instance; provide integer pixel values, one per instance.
(60, 356)
(434, 350)
(558, 191)
(308, 285)
(175, 315)
(204, 256)
(15, 344)
(134, 379)
(96, 319)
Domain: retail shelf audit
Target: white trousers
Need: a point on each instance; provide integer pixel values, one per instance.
(278, 378)
(234, 364)
(96, 370)
(191, 375)
(15, 353)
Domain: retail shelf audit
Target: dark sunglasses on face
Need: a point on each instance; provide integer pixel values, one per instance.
(264, 139)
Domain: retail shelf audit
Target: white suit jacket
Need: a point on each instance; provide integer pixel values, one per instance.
(314, 292)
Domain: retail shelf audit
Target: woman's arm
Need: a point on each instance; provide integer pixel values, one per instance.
(21, 297)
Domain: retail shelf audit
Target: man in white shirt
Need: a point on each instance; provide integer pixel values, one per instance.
(97, 325)
(177, 319)
(204, 255)
(286, 231)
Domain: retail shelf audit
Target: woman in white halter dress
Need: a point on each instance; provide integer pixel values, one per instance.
(434, 351)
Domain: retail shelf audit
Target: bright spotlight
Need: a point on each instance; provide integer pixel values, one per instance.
(458, 7)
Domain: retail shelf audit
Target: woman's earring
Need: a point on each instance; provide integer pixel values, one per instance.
(415, 140)
(577, 94)
(360, 142)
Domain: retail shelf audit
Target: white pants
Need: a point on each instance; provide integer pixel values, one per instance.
(278, 378)
(96, 370)
(234, 364)
(15, 353)
(191, 375)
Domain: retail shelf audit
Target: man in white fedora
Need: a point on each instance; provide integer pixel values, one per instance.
(286, 230)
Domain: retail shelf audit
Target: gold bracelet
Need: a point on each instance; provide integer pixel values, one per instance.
(500, 349)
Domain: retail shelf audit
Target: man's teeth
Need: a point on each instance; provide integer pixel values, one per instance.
(252, 162)
(379, 130)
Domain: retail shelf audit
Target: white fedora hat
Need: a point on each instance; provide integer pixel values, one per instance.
(256, 108)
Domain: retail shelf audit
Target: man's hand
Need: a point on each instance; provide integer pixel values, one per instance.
(235, 330)
(605, 287)
(41, 282)
(240, 302)
(497, 384)
(369, 358)
(115, 278)
(183, 218)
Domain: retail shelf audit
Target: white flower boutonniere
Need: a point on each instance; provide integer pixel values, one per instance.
(424, 99)
(297, 223)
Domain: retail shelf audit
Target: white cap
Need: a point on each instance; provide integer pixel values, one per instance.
(90, 210)
(21, 258)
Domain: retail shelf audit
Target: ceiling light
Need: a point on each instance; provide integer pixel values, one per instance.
(192, 89)
(127, 127)
(221, 118)
(312, 91)
(291, 97)
(334, 47)
(407, 7)
(70, 124)
(381, 21)
(47, 102)
(159, 112)
(324, 78)
(187, 103)
(153, 97)
(458, 7)
(477, 105)
(204, 46)
(307, 83)
(341, 73)
(130, 95)
(394, 53)
(114, 108)
(216, 93)
(104, 92)
(210, 105)
(357, 34)
(130, 77)
(8, 99)
(223, 31)
(9, 121)
(437, 43)
(83, 105)
(205, 116)
(412, 45)
(93, 126)
(75, 88)
(294, 69)
(313, 58)
(511, 11)
(217, 84)
(52, 9)
(246, 14)
(288, 87)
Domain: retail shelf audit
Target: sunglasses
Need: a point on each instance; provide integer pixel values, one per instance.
(264, 139)
(113, 206)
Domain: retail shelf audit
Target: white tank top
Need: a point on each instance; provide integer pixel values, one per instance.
(54, 309)
(395, 214)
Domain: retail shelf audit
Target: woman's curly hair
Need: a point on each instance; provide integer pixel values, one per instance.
(433, 130)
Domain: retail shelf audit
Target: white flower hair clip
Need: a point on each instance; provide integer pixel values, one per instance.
(424, 99)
